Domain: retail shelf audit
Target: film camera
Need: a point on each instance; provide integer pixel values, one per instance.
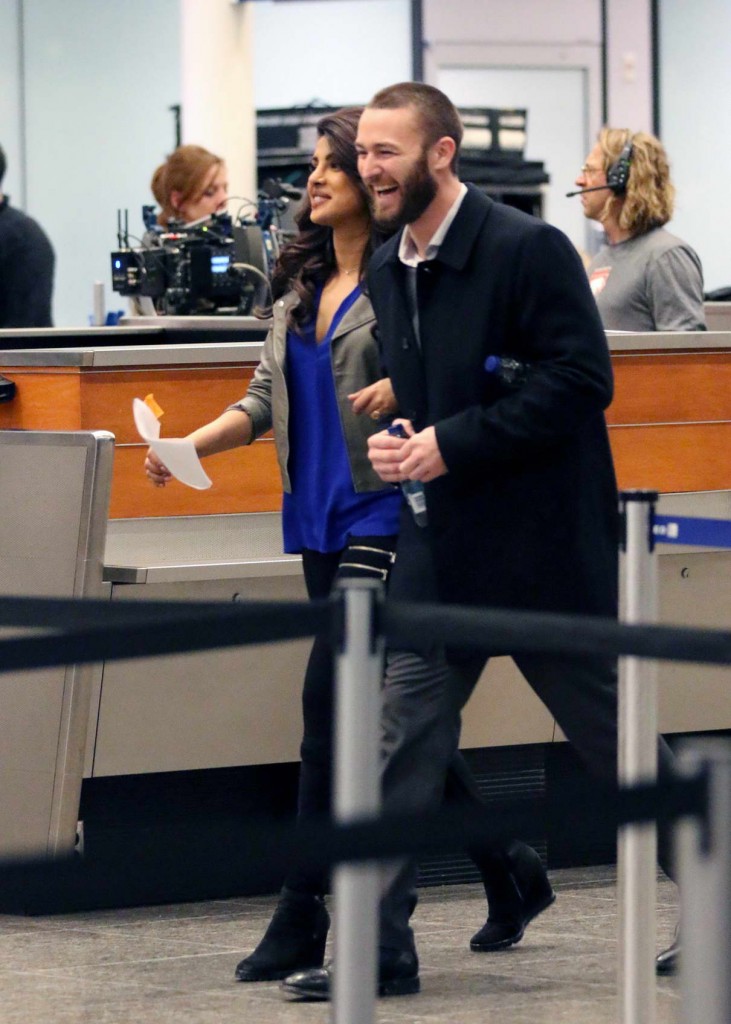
(209, 267)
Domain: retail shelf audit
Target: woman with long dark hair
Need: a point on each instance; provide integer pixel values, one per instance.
(319, 363)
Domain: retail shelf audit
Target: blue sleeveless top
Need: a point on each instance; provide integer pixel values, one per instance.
(323, 509)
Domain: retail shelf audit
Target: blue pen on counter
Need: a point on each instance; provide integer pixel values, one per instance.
(412, 490)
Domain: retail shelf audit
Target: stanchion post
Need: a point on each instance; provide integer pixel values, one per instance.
(704, 848)
(637, 844)
(356, 795)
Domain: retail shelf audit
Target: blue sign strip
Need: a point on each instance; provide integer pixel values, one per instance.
(712, 533)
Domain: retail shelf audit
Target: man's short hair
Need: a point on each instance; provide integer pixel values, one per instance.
(650, 196)
(3, 164)
(437, 115)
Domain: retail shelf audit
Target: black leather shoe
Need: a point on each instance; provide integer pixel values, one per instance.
(517, 889)
(398, 975)
(668, 961)
(294, 940)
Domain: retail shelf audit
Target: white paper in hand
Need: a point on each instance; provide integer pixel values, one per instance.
(177, 453)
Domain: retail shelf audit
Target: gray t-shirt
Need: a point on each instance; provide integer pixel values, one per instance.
(652, 282)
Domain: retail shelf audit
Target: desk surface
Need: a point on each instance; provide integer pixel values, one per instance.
(668, 341)
(195, 548)
(236, 352)
(152, 346)
(210, 324)
(151, 330)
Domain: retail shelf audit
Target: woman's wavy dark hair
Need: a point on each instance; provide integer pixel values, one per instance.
(309, 260)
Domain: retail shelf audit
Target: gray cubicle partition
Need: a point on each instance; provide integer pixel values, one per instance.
(718, 316)
(54, 501)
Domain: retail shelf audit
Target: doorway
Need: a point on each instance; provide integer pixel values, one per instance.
(557, 125)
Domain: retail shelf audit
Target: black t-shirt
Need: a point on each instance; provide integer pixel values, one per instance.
(26, 270)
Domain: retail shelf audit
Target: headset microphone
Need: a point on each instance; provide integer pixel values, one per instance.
(580, 192)
(617, 175)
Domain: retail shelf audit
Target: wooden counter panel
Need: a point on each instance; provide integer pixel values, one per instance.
(44, 400)
(659, 428)
(685, 457)
(189, 397)
(244, 480)
(671, 388)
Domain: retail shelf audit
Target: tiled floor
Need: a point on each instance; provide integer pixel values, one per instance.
(175, 964)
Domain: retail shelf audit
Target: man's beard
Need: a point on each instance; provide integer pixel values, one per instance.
(418, 190)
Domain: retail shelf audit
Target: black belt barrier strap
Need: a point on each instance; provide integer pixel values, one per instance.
(511, 632)
(107, 631)
(85, 630)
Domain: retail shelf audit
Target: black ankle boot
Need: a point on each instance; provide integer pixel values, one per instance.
(294, 940)
(398, 975)
(517, 890)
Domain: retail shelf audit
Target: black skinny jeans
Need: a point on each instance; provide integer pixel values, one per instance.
(363, 557)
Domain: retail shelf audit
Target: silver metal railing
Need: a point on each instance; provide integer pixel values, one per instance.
(637, 844)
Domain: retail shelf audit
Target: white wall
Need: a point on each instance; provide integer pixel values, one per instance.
(555, 99)
(99, 76)
(217, 85)
(98, 80)
(629, 65)
(695, 93)
(337, 53)
(507, 22)
(543, 56)
(10, 112)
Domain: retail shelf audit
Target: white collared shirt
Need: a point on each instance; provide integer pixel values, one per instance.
(409, 256)
(407, 251)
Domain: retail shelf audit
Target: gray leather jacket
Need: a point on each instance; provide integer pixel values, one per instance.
(355, 364)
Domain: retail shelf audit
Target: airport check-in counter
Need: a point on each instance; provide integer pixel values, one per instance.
(670, 426)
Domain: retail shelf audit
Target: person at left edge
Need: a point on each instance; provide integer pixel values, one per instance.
(319, 357)
(26, 266)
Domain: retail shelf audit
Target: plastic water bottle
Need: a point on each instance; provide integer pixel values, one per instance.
(412, 490)
(510, 372)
